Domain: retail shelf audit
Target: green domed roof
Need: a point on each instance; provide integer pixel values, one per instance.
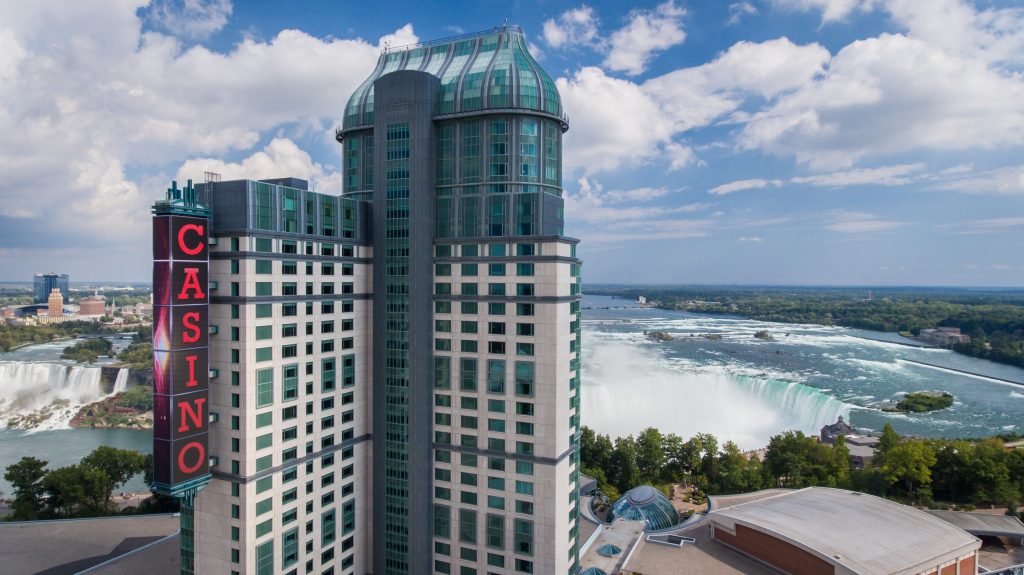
(486, 70)
(645, 503)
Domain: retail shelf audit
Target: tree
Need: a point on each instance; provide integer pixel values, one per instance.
(841, 461)
(76, 491)
(795, 460)
(117, 465)
(26, 477)
(888, 440)
(595, 449)
(672, 446)
(909, 463)
(650, 454)
(951, 475)
(622, 471)
(989, 475)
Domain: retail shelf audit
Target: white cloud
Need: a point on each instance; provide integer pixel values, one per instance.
(100, 107)
(645, 33)
(994, 35)
(853, 222)
(831, 10)
(616, 121)
(190, 18)
(753, 239)
(738, 10)
(1007, 181)
(740, 185)
(898, 175)
(573, 28)
(891, 94)
(279, 159)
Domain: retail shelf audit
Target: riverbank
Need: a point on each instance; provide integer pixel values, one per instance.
(132, 409)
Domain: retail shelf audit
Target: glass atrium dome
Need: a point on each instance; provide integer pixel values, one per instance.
(485, 70)
(645, 503)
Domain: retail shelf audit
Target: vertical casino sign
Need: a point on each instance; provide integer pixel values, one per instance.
(181, 379)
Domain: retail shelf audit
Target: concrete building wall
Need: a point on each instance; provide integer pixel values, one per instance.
(284, 459)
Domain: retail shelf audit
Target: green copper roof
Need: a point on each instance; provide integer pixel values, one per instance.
(486, 70)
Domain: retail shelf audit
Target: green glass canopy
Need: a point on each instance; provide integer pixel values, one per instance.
(486, 70)
(645, 503)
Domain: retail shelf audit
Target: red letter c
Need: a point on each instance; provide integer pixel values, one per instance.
(198, 229)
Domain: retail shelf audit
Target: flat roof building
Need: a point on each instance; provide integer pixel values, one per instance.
(43, 284)
(820, 530)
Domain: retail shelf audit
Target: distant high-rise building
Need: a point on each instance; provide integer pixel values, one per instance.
(394, 372)
(43, 284)
(55, 303)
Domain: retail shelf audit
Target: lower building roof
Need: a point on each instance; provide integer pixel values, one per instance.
(982, 523)
(858, 533)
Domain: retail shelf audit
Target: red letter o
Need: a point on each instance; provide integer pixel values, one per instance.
(199, 460)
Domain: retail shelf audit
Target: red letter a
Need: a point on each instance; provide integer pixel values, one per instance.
(191, 283)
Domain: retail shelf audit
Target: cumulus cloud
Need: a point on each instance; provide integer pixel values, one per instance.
(102, 107)
(617, 121)
(190, 18)
(738, 10)
(572, 28)
(891, 94)
(831, 10)
(280, 158)
(645, 33)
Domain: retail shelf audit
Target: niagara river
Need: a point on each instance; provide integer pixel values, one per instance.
(714, 376)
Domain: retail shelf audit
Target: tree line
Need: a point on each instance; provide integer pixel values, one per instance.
(928, 471)
(993, 319)
(84, 489)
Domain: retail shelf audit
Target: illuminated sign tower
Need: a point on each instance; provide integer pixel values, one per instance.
(180, 354)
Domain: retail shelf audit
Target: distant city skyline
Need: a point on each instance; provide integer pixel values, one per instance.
(793, 142)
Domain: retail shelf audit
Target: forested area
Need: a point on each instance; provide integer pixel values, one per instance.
(994, 319)
(84, 489)
(934, 472)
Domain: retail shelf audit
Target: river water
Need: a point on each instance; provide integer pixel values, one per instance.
(35, 376)
(738, 387)
(745, 389)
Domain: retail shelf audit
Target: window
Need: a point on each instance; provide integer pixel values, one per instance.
(289, 548)
(467, 307)
(467, 525)
(495, 531)
(523, 537)
(496, 269)
(264, 387)
(495, 376)
(442, 521)
(264, 310)
(265, 558)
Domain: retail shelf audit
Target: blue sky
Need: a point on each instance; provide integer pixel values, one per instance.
(852, 142)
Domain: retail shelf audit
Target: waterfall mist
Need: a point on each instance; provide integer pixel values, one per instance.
(42, 396)
(629, 386)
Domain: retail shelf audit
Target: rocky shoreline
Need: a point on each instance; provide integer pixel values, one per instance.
(115, 412)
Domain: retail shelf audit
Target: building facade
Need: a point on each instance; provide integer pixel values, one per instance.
(395, 371)
(43, 284)
(55, 303)
(92, 305)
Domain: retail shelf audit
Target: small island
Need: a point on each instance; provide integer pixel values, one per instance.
(764, 335)
(658, 336)
(923, 401)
